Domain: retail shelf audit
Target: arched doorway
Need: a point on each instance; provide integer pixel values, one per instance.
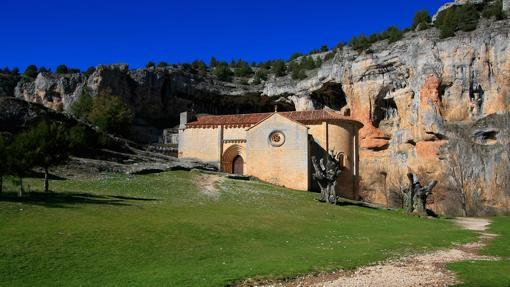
(234, 155)
(238, 165)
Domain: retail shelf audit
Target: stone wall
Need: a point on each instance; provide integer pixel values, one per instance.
(286, 165)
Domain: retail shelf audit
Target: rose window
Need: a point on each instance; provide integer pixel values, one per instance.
(276, 138)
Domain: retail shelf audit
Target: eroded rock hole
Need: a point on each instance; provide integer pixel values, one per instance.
(385, 109)
(331, 95)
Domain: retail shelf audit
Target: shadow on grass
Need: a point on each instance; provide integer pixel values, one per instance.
(68, 199)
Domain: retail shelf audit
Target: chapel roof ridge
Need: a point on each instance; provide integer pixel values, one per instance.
(254, 118)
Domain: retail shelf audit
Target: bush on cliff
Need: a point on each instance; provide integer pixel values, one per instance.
(278, 68)
(457, 18)
(421, 20)
(494, 10)
(111, 114)
(82, 106)
(30, 71)
(222, 72)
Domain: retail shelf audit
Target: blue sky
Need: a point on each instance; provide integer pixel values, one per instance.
(87, 33)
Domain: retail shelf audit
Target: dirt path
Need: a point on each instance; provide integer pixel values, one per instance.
(207, 184)
(417, 270)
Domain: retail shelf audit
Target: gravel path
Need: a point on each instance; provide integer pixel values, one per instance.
(417, 270)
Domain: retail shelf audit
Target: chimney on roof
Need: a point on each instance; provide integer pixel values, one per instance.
(187, 117)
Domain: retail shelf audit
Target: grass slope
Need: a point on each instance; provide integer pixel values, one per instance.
(489, 273)
(160, 230)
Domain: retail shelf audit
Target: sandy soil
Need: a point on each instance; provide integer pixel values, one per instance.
(208, 185)
(427, 269)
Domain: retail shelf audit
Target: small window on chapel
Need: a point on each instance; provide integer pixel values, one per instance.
(341, 159)
(276, 138)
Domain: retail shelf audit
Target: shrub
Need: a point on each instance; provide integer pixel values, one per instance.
(298, 74)
(200, 66)
(89, 71)
(295, 56)
(111, 114)
(278, 68)
(150, 64)
(213, 62)
(307, 63)
(31, 71)
(242, 69)
(262, 74)
(457, 18)
(222, 72)
(494, 10)
(43, 70)
(162, 64)
(393, 34)
(82, 106)
(421, 19)
(324, 48)
(360, 43)
(329, 56)
(62, 69)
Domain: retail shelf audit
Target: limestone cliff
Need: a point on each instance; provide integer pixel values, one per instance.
(411, 96)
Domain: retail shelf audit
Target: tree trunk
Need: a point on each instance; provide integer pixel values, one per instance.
(20, 192)
(46, 183)
(1, 183)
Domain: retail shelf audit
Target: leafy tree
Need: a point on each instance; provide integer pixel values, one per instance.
(421, 20)
(468, 17)
(31, 71)
(15, 71)
(324, 48)
(162, 64)
(494, 10)
(213, 62)
(329, 56)
(48, 143)
(340, 46)
(62, 69)
(266, 65)
(278, 68)
(298, 74)
(82, 106)
(150, 64)
(111, 114)
(73, 71)
(262, 74)
(393, 34)
(243, 69)
(456, 18)
(89, 71)
(20, 157)
(223, 72)
(200, 66)
(295, 56)
(308, 63)
(360, 43)
(43, 70)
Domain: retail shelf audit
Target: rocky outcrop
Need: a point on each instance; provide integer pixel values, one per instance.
(406, 94)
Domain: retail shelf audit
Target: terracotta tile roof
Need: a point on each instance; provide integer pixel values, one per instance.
(246, 120)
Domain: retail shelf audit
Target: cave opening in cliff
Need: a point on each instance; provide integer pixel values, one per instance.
(385, 110)
(331, 95)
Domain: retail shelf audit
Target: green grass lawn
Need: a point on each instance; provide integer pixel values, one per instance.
(160, 230)
(489, 273)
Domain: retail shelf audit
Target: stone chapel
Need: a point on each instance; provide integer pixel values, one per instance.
(275, 147)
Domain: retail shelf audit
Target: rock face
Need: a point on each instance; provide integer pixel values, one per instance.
(409, 95)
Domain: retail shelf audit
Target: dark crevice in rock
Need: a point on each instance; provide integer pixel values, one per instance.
(331, 95)
(385, 109)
